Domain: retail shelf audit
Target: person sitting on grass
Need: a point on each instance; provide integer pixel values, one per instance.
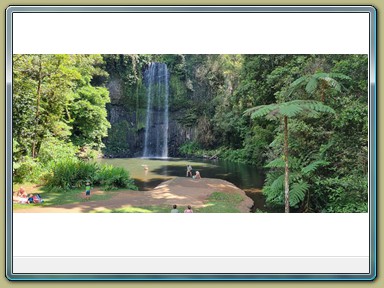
(22, 192)
(175, 210)
(188, 210)
(17, 198)
(37, 199)
(23, 200)
(30, 198)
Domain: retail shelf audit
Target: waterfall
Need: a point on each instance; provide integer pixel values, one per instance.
(156, 79)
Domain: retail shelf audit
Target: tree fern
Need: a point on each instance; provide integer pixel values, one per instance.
(311, 83)
(287, 110)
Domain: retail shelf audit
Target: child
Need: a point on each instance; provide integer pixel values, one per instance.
(87, 190)
(197, 175)
(30, 198)
(175, 210)
(188, 210)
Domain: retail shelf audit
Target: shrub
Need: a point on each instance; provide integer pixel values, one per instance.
(112, 178)
(69, 173)
(26, 170)
(189, 148)
(53, 149)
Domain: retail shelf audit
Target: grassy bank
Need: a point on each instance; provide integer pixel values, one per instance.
(218, 202)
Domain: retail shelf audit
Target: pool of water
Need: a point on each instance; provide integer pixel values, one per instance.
(244, 176)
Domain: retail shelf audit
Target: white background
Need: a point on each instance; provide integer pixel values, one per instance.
(194, 33)
(277, 234)
(196, 234)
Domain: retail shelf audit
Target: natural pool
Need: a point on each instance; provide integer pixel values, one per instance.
(246, 177)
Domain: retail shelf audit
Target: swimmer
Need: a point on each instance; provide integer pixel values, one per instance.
(145, 166)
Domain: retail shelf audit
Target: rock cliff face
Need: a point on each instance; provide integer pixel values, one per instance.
(130, 127)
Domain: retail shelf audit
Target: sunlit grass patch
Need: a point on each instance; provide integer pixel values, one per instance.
(219, 202)
(135, 209)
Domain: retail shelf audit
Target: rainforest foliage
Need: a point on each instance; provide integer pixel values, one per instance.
(60, 105)
(328, 152)
(59, 121)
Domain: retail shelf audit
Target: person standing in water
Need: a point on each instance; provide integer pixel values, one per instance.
(189, 170)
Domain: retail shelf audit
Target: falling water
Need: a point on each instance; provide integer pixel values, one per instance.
(156, 79)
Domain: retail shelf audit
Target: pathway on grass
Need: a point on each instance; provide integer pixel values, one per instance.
(180, 191)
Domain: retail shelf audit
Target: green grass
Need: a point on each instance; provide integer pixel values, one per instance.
(71, 196)
(219, 202)
(143, 209)
(57, 196)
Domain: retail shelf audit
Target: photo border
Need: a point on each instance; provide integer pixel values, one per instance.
(196, 9)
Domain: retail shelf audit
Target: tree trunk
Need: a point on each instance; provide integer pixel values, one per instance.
(38, 96)
(286, 184)
(322, 91)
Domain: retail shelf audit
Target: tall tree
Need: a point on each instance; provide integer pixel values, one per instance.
(42, 81)
(308, 108)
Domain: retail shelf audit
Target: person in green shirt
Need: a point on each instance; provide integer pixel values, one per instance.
(174, 210)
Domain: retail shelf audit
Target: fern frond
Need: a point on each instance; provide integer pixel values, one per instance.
(260, 111)
(264, 110)
(313, 166)
(333, 83)
(290, 110)
(311, 85)
(297, 192)
(294, 177)
(339, 76)
(276, 163)
(299, 81)
(278, 185)
(317, 106)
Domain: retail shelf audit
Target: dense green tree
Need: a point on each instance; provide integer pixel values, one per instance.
(53, 99)
(40, 90)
